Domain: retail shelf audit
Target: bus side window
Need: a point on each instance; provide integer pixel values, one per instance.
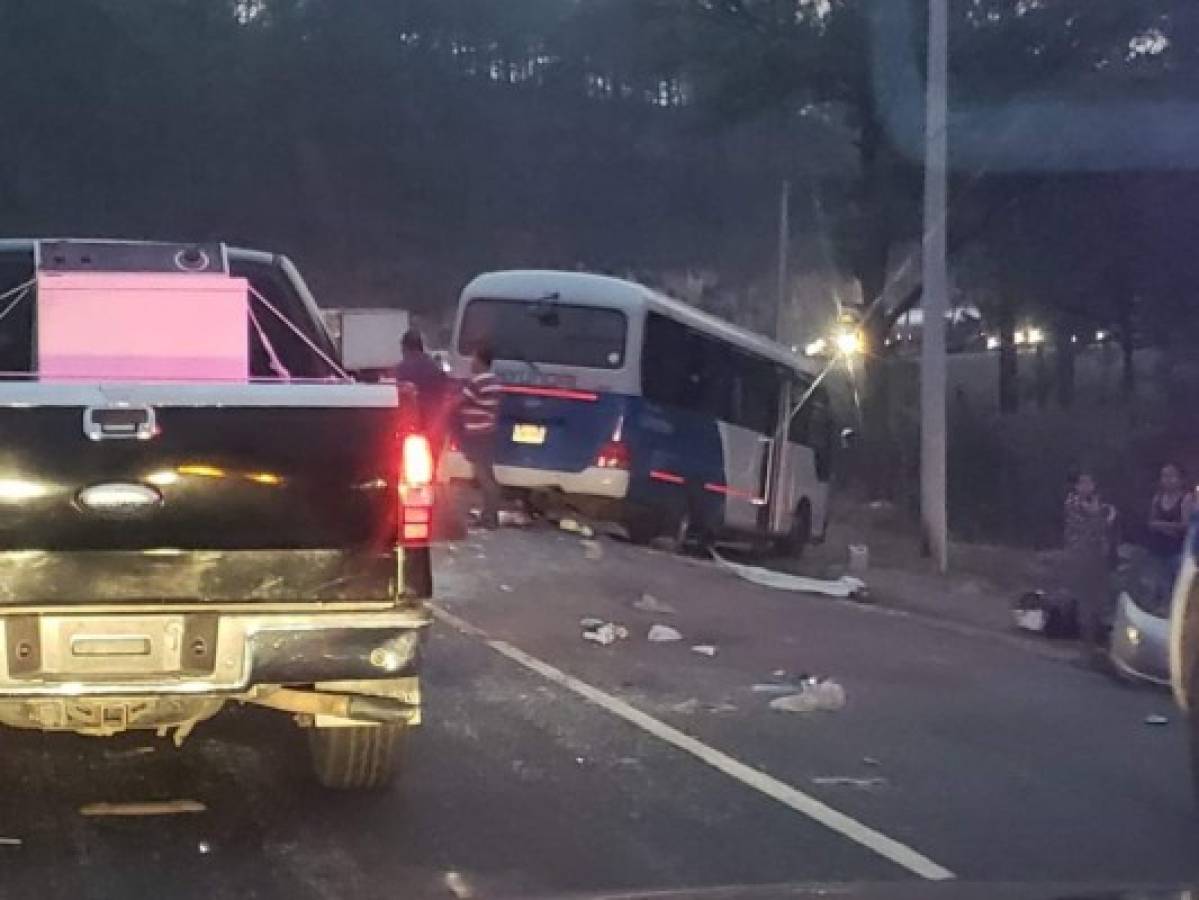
(757, 387)
(820, 434)
(798, 430)
(682, 368)
(717, 398)
(665, 362)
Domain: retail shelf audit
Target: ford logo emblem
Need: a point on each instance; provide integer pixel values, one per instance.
(119, 500)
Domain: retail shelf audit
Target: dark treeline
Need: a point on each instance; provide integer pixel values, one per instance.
(395, 147)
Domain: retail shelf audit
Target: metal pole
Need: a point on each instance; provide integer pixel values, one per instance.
(935, 299)
(784, 287)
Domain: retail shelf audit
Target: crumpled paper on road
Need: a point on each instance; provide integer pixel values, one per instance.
(843, 587)
(651, 604)
(816, 696)
(663, 634)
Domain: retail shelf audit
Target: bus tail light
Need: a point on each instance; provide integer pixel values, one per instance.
(613, 455)
(416, 490)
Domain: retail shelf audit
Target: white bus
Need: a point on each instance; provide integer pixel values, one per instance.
(644, 410)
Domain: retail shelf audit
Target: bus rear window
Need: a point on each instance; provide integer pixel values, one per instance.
(556, 334)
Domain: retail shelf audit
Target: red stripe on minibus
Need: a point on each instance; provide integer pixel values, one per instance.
(668, 477)
(556, 393)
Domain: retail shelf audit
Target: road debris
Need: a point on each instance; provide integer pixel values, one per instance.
(10, 842)
(692, 706)
(651, 604)
(126, 754)
(859, 559)
(663, 634)
(574, 526)
(1054, 616)
(508, 518)
(784, 683)
(1156, 720)
(592, 549)
(704, 649)
(143, 808)
(506, 588)
(816, 696)
(204, 847)
(456, 885)
(870, 761)
(844, 587)
(862, 784)
(603, 633)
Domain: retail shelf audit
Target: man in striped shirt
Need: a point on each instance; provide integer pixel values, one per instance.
(478, 413)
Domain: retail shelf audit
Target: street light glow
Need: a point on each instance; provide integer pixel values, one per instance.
(849, 342)
(816, 347)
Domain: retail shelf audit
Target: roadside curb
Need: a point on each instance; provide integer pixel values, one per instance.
(900, 610)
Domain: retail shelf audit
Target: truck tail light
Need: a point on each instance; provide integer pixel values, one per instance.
(416, 490)
(613, 455)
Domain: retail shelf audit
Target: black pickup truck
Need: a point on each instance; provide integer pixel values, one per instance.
(170, 546)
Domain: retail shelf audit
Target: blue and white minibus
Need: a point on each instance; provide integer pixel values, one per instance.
(643, 410)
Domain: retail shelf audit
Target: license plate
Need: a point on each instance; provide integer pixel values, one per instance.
(82, 645)
(528, 434)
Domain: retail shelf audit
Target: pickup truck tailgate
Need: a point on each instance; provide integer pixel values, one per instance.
(197, 492)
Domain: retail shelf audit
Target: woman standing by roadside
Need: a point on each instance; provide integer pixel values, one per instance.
(1169, 515)
(1088, 527)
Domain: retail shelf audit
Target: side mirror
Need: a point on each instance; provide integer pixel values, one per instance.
(849, 437)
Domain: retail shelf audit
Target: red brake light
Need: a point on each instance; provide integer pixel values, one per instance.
(613, 455)
(417, 461)
(416, 489)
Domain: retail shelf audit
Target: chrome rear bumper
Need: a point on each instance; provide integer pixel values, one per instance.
(149, 653)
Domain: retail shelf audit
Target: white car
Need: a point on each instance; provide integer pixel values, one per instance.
(1184, 644)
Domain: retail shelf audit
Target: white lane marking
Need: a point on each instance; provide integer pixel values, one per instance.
(875, 841)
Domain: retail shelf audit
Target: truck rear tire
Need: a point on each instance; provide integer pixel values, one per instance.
(357, 758)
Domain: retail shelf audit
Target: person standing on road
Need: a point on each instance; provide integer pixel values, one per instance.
(1088, 528)
(478, 414)
(1169, 515)
(420, 370)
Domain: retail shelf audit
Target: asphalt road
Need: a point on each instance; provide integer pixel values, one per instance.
(551, 766)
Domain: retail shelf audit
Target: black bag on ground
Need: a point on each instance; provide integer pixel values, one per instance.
(1055, 616)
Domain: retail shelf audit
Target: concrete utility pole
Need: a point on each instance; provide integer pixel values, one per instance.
(784, 285)
(936, 289)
